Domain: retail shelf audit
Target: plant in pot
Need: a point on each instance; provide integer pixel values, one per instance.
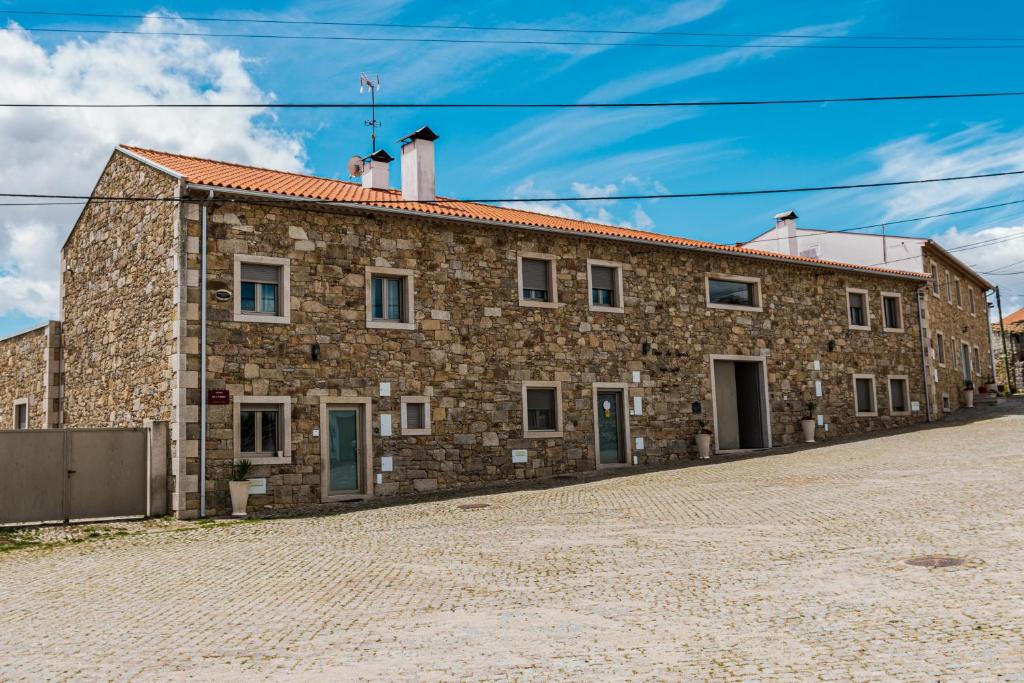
(968, 393)
(807, 422)
(239, 486)
(990, 385)
(704, 434)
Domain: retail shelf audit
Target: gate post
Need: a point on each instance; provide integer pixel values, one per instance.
(156, 454)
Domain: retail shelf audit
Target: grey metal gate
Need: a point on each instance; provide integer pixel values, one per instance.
(55, 475)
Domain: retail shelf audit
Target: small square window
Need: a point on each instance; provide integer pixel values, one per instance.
(262, 429)
(892, 312)
(733, 292)
(538, 286)
(605, 279)
(415, 415)
(945, 403)
(857, 306)
(388, 296)
(542, 410)
(864, 395)
(261, 289)
(390, 299)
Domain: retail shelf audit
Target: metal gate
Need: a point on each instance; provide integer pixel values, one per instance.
(61, 475)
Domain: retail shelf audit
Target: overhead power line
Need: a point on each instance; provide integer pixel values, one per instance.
(527, 29)
(495, 41)
(508, 105)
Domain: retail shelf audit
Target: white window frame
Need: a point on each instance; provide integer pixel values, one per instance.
(542, 433)
(874, 396)
(284, 290)
(415, 400)
(959, 294)
(867, 309)
(936, 284)
(14, 413)
(408, 321)
(619, 298)
(742, 279)
(946, 408)
(899, 308)
(906, 394)
(284, 404)
(552, 302)
(940, 349)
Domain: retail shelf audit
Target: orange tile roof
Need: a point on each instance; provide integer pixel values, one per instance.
(1017, 317)
(227, 175)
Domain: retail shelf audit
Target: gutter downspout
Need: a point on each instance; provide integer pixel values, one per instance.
(202, 363)
(924, 352)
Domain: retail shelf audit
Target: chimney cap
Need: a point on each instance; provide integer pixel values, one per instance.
(423, 133)
(786, 215)
(381, 156)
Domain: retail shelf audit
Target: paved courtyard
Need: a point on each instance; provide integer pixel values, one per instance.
(783, 567)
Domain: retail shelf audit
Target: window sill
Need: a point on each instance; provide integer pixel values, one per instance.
(899, 413)
(415, 432)
(257, 318)
(874, 414)
(863, 328)
(529, 303)
(894, 329)
(387, 325)
(607, 309)
(541, 435)
(266, 460)
(736, 307)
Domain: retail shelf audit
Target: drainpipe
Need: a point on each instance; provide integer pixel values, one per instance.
(924, 352)
(202, 362)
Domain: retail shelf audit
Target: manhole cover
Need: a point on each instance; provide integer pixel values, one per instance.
(935, 561)
(474, 506)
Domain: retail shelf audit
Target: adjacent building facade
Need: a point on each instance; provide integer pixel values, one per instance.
(1010, 350)
(365, 341)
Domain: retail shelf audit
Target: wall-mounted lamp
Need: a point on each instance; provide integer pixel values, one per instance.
(831, 345)
(695, 407)
(314, 351)
(645, 348)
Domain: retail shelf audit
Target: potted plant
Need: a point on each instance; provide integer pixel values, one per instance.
(703, 440)
(990, 385)
(968, 393)
(239, 486)
(808, 422)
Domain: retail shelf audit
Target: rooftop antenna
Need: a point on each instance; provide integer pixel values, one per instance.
(371, 83)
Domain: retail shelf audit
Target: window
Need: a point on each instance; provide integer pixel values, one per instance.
(892, 312)
(940, 348)
(542, 411)
(538, 285)
(959, 295)
(733, 292)
(389, 299)
(262, 289)
(605, 280)
(949, 288)
(977, 361)
(21, 414)
(415, 415)
(970, 300)
(262, 429)
(945, 403)
(935, 279)
(899, 398)
(857, 303)
(864, 395)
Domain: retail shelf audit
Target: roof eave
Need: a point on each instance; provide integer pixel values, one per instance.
(945, 254)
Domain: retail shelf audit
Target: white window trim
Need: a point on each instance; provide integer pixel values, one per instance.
(552, 283)
(874, 396)
(285, 403)
(619, 294)
(959, 294)
(899, 298)
(937, 286)
(409, 293)
(285, 289)
(940, 341)
(906, 394)
(867, 309)
(543, 434)
(425, 402)
(756, 281)
(14, 413)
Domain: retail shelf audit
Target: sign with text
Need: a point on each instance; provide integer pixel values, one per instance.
(218, 397)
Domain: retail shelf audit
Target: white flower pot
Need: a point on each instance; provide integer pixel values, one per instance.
(808, 427)
(969, 398)
(704, 446)
(239, 497)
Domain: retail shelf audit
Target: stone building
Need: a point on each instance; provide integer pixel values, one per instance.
(366, 341)
(955, 315)
(30, 379)
(1011, 336)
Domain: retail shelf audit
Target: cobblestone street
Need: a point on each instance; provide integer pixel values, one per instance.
(790, 566)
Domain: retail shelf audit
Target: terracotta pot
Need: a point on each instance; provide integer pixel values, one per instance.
(969, 398)
(808, 427)
(239, 497)
(704, 446)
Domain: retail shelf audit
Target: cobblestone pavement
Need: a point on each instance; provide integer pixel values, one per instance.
(789, 566)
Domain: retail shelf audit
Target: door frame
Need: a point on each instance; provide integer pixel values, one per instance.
(767, 404)
(365, 406)
(623, 389)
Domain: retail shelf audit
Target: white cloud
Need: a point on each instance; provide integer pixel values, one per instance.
(1003, 257)
(63, 150)
(602, 211)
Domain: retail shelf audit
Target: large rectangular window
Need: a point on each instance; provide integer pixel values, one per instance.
(390, 298)
(940, 348)
(970, 300)
(857, 306)
(542, 409)
(387, 298)
(864, 395)
(536, 279)
(261, 289)
(892, 313)
(899, 400)
(259, 431)
(733, 292)
(605, 280)
(959, 295)
(21, 414)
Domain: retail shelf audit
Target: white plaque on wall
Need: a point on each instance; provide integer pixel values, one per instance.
(638, 405)
(821, 420)
(385, 424)
(915, 406)
(519, 455)
(639, 446)
(817, 387)
(817, 365)
(387, 463)
(385, 388)
(257, 486)
(636, 377)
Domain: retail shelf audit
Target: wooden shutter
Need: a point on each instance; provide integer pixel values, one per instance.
(255, 272)
(535, 273)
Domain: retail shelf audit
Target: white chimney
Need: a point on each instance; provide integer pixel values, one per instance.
(418, 165)
(375, 170)
(785, 228)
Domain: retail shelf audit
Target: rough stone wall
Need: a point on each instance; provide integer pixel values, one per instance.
(23, 375)
(1014, 352)
(119, 286)
(957, 325)
(473, 345)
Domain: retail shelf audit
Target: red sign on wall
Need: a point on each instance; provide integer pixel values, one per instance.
(218, 397)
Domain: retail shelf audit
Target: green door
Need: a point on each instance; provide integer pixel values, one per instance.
(344, 450)
(609, 428)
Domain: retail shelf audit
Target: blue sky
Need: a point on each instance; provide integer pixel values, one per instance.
(491, 153)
